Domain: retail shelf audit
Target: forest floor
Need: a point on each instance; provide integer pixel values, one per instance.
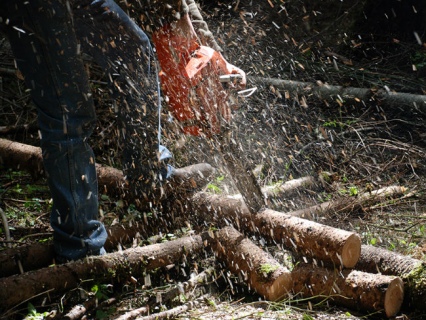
(363, 145)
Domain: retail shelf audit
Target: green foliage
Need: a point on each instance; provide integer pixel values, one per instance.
(101, 291)
(33, 314)
(338, 124)
(351, 191)
(307, 317)
(419, 59)
(268, 268)
(324, 197)
(214, 187)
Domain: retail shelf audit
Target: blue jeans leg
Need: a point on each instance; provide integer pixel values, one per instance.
(43, 40)
(117, 44)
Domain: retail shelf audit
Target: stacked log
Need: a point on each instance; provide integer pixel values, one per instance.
(330, 245)
(351, 288)
(261, 271)
(325, 245)
(412, 271)
(258, 268)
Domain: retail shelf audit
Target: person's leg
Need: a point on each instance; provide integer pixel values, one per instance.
(42, 37)
(116, 43)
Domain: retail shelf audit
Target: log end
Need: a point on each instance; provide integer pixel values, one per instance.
(279, 288)
(394, 297)
(351, 251)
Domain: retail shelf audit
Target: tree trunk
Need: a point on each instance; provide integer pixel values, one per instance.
(330, 245)
(355, 289)
(412, 271)
(31, 257)
(118, 266)
(258, 268)
(329, 92)
(348, 205)
(111, 180)
(28, 158)
(21, 156)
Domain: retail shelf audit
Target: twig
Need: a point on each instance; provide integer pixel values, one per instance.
(9, 312)
(78, 311)
(134, 313)
(40, 234)
(6, 228)
(32, 127)
(169, 313)
(7, 71)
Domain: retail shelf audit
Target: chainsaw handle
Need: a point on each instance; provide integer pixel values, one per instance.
(235, 72)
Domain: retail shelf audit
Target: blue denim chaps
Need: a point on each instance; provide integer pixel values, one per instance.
(48, 38)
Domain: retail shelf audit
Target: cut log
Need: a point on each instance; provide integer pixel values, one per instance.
(59, 278)
(412, 271)
(28, 158)
(330, 245)
(21, 156)
(258, 268)
(31, 257)
(351, 204)
(309, 238)
(134, 313)
(329, 92)
(39, 255)
(354, 289)
(290, 187)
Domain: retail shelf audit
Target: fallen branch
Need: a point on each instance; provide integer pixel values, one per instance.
(258, 268)
(133, 313)
(59, 278)
(351, 204)
(330, 92)
(111, 180)
(78, 311)
(169, 313)
(171, 294)
(412, 271)
(33, 256)
(355, 289)
(21, 156)
(28, 158)
(18, 128)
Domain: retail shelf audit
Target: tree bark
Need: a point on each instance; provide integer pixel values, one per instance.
(31, 257)
(349, 204)
(28, 158)
(329, 92)
(21, 156)
(258, 268)
(412, 271)
(355, 289)
(330, 245)
(111, 180)
(118, 266)
(340, 247)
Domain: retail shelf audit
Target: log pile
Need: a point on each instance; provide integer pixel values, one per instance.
(349, 274)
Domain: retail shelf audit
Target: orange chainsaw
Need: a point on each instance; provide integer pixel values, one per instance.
(192, 77)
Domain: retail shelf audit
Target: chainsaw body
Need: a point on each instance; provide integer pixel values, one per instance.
(190, 79)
